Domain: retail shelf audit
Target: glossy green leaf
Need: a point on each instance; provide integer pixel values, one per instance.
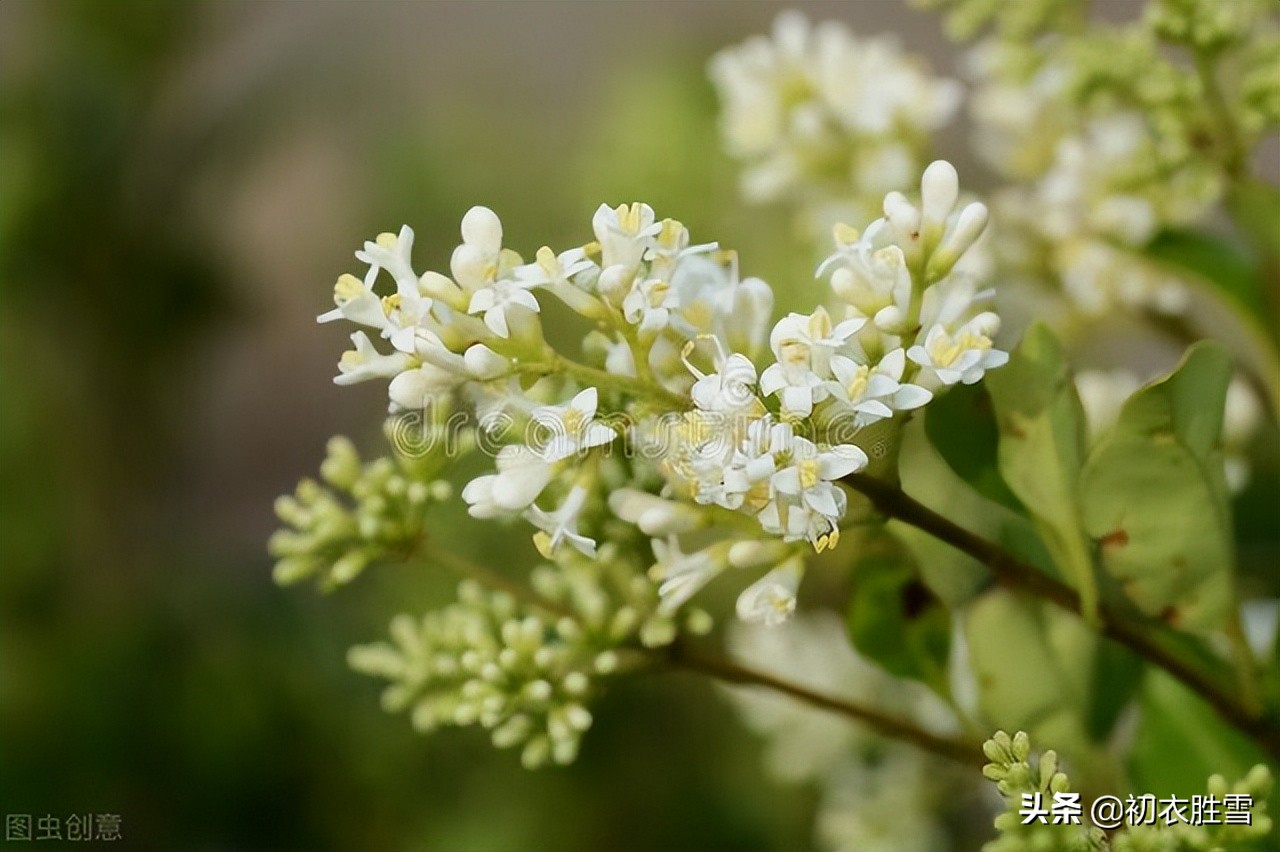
(961, 425)
(1041, 451)
(1154, 497)
(895, 620)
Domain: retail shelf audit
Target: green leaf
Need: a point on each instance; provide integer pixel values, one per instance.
(961, 425)
(1213, 259)
(1035, 669)
(1255, 207)
(1182, 741)
(1042, 446)
(1154, 496)
(895, 620)
(954, 576)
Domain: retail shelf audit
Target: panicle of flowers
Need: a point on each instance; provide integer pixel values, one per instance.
(816, 113)
(525, 670)
(358, 514)
(1110, 140)
(673, 428)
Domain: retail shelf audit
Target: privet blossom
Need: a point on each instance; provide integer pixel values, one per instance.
(696, 414)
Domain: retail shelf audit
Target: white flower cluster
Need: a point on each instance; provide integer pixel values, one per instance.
(818, 105)
(1109, 140)
(675, 393)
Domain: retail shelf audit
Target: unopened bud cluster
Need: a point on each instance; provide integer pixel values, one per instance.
(524, 670)
(357, 515)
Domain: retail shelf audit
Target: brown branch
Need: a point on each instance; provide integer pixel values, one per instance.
(959, 750)
(1143, 637)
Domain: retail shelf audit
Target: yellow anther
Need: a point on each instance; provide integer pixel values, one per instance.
(387, 240)
(858, 384)
(542, 542)
(819, 325)
(347, 288)
(808, 473)
(844, 234)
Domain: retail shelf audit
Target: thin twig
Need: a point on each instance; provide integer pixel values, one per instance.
(962, 751)
(1140, 636)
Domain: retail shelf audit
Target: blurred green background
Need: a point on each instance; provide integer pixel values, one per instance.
(180, 184)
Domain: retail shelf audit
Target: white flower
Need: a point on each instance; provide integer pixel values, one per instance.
(649, 304)
(481, 260)
(871, 276)
(875, 392)
(572, 427)
(550, 269)
(803, 346)
(731, 389)
(711, 300)
(625, 233)
(682, 575)
(799, 523)
(560, 526)
(392, 252)
(522, 475)
(356, 302)
(483, 363)
(413, 390)
(771, 600)
(811, 470)
(366, 362)
(748, 478)
(819, 95)
(962, 356)
(500, 297)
